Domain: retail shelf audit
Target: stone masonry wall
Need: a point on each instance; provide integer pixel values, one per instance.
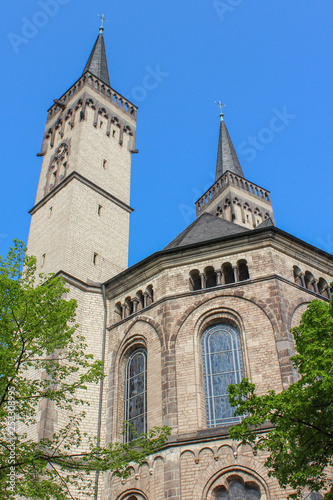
(263, 309)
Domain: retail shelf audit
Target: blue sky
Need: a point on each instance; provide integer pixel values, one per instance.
(262, 58)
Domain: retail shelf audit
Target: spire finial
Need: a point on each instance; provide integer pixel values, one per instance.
(221, 106)
(101, 29)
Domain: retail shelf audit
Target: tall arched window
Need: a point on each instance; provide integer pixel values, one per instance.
(222, 365)
(135, 411)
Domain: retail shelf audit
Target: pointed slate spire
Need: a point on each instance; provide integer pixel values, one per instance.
(226, 155)
(97, 63)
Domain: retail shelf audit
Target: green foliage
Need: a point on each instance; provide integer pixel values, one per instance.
(44, 359)
(300, 419)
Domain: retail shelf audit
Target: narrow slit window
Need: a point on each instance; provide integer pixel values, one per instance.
(99, 210)
(105, 164)
(43, 259)
(95, 258)
(50, 211)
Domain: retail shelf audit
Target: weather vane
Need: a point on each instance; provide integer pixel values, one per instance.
(221, 106)
(103, 19)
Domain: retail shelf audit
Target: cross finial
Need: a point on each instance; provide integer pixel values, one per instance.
(221, 106)
(101, 29)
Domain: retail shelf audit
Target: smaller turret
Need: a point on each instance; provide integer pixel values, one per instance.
(232, 197)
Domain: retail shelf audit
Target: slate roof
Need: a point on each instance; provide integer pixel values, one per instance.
(206, 227)
(227, 158)
(267, 223)
(97, 63)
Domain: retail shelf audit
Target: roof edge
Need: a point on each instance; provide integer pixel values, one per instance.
(247, 234)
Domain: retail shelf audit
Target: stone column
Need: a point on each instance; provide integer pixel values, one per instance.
(203, 280)
(301, 275)
(314, 283)
(236, 273)
(219, 277)
(135, 304)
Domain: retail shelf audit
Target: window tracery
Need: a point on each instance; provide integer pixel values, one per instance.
(222, 365)
(315, 496)
(238, 491)
(58, 166)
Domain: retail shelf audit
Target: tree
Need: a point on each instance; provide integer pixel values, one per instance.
(300, 419)
(44, 359)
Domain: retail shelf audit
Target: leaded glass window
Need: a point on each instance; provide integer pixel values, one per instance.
(237, 491)
(135, 412)
(222, 365)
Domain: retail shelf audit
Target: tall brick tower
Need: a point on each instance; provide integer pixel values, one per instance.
(80, 221)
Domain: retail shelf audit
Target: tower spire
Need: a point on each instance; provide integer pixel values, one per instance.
(97, 63)
(226, 155)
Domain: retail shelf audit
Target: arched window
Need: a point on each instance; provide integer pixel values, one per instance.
(135, 410)
(195, 280)
(134, 496)
(150, 294)
(309, 281)
(298, 276)
(243, 270)
(315, 496)
(237, 490)
(129, 308)
(228, 274)
(118, 311)
(141, 300)
(222, 365)
(210, 276)
(323, 288)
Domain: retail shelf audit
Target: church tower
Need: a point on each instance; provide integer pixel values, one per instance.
(80, 220)
(232, 197)
(174, 330)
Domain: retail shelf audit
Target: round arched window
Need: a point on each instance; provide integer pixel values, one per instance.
(222, 365)
(238, 491)
(135, 410)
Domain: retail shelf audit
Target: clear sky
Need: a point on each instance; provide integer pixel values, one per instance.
(263, 58)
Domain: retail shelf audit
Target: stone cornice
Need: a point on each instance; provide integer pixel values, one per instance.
(191, 254)
(207, 435)
(86, 182)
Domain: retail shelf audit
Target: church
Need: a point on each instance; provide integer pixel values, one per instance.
(174, 330)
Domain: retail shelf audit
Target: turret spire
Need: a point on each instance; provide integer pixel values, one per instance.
(97, 63)
(226, 155)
